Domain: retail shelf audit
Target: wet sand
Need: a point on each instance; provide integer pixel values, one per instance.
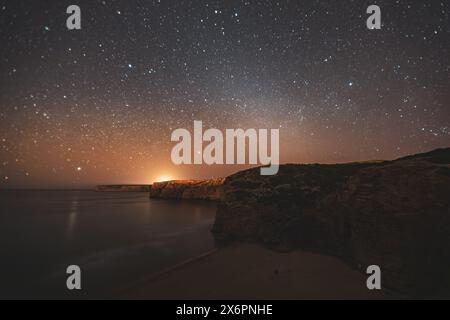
(248, 271)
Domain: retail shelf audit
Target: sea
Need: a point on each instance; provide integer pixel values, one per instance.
(118, 240)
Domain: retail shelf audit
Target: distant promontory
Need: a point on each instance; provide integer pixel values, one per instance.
(210, 189)
(123, 188)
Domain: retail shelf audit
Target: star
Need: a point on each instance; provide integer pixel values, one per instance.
(117, 90)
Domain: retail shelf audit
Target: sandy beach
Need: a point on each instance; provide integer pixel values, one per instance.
(248, 271)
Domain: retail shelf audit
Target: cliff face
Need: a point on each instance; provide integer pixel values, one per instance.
(395, 214)
(188, 189)
(266, 208)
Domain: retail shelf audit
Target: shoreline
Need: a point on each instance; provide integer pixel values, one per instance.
(250, 271)
(154, 276)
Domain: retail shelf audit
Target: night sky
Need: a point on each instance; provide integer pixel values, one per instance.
(98, 105)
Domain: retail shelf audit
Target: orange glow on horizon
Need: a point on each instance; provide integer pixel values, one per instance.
(163, 178)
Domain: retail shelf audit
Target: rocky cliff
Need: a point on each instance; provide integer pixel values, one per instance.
(395, 214)
(188, 189)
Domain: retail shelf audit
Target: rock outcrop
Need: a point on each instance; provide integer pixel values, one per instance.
(123, 188)
(188, 189)
(395, 214)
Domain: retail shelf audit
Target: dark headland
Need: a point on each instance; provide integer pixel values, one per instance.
(123, 188)
(394, 214)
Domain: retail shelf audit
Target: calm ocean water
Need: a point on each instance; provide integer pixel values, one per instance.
(116, 239)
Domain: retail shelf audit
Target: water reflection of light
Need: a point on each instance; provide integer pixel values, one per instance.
(72, 220)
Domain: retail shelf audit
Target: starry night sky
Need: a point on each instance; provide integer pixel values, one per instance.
(98, 105)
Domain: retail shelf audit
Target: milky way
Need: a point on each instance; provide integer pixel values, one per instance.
(98, 105)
